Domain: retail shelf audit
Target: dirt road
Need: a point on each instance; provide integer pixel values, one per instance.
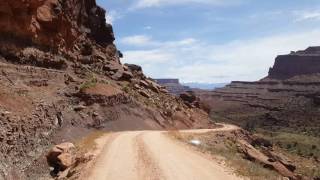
(151, 155)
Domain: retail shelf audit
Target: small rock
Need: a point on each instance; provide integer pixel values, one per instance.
(95, 114)
(137, 86)
(64, 174)
(79, 108)
(145, 94)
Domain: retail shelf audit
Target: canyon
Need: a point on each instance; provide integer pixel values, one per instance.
(62, 81)
(287, 98)
(282, 107)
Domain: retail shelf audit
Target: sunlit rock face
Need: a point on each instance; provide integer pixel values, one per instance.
(296, 63)
(54, 23)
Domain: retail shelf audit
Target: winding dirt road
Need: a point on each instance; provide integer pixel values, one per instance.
(151, 155)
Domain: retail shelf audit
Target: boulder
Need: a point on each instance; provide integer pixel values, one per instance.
(164, 90)
(122, 75)
(113, 67)
(65, 160)
(154, 86)
(253, 154)
(133, 67)
(61, 156)
(143, 83)
(258, 141)
(188, 97)
(148, 84)
(282, 159)
(126, 76)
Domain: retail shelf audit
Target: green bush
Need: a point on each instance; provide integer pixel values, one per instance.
(88, 84)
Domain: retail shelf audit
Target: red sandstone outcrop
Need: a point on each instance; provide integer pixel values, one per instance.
(54, 23)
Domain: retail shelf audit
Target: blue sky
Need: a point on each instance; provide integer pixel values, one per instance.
(211, 40)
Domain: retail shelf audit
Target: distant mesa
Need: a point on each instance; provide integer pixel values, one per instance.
(205, 86)
(173, 86)
(167, 81)
(296, 63)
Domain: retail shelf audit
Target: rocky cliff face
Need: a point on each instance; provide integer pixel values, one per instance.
(296, 63)
(61, 77)
(54, 23)
(288, 99)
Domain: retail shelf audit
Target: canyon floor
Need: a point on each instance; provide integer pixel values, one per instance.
(154, 155)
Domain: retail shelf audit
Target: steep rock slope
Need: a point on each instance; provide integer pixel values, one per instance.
(61, 77)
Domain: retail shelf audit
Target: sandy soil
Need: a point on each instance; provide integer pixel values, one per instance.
(151, 155)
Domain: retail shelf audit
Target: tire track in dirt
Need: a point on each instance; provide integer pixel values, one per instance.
(147, 166)
(151, 155)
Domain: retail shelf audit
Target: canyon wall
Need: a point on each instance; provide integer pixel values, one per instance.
(287, 99)
(296, 63)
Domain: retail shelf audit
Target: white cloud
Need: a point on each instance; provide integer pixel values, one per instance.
(147, 27)
(112, 16)
(137, 40)
(148, 57)
(139, 4)
(147, 41)
(307, 15)
(195, 61)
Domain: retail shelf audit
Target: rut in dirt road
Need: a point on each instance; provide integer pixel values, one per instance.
(151, 155)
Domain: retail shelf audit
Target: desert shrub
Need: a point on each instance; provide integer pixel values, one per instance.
(206, 107)
(299, 144)
(126, 89)
(89, 83)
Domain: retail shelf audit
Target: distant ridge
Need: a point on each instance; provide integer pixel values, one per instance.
(205, 86)
(173, 86)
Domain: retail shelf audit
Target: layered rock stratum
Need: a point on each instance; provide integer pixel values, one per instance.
(61, 77)
(286, 100)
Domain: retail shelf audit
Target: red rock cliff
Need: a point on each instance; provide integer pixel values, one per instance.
(54, 23)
